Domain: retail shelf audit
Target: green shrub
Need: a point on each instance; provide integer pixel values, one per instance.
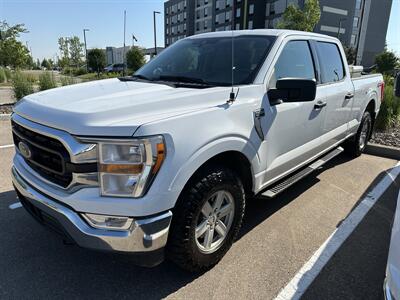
(79, 71)
(3, 77)
(67, 80)
(46, 81)
(21, 85)
(389, 114)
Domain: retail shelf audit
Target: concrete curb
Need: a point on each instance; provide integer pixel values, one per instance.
(5, 117)
(384, 151)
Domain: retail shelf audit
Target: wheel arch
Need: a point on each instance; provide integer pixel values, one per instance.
(237, 154)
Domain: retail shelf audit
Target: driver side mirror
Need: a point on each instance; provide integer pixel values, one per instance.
(292, 90)
(397, 85)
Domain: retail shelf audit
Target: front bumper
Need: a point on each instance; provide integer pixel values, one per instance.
(145, 236)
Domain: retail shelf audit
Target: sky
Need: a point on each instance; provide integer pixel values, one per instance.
(47, 20)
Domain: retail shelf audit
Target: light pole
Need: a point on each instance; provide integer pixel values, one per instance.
(340, 27)
(123, 55)
(155, 34)
(84, 38)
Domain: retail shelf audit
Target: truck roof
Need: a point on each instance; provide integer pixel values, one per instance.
(270, 32)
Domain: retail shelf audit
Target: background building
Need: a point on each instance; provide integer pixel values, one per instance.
(359, 24)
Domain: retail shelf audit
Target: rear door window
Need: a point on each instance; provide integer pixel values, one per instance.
(330, 59)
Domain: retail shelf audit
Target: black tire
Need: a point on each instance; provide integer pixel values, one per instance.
(182, 247)
(354, 147)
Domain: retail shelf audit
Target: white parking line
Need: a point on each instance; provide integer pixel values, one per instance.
(6, 146)
(310, 270)
(15, 205)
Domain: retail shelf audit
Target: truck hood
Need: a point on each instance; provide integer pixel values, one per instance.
(111, 107)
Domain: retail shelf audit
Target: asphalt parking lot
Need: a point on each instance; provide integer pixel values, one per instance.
(279, 236)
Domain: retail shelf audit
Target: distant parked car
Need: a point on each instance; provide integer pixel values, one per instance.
(114, 68)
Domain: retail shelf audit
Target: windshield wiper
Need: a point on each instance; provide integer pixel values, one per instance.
(134, 78)
(184, 79)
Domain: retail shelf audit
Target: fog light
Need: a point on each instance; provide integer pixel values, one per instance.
(108, 222)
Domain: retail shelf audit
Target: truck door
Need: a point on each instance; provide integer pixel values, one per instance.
(339, 92)
(292, 130)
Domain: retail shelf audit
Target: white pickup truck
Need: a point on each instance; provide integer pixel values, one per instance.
(162, 162)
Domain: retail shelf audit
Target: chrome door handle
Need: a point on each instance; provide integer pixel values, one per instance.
(319, 105)
(349, 96)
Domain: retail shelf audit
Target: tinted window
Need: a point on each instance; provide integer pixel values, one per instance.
(295, 61)
(331, 62)
(210, 59)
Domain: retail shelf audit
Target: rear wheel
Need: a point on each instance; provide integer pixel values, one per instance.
(207, 219)
(357, 146)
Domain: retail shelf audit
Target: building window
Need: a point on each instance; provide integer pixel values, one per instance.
(207, 24)
(184, 4)
(206, 12)
(184, 15)
(353, 40)
(228, 16)
(251, 9)
(358, 4)
(167, 30)
(355, 22)
(229, 3)
(228, 27)
(250, 26)
(220, 18)
(184, 26)
(272, 9)
(220, 4)
(237, 26)
(167, 21)
(238, 13)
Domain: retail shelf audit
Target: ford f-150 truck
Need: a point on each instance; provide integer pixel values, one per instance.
(161, 163)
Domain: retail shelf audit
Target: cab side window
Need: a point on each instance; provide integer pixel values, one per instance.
(295, 61)
(332, 68)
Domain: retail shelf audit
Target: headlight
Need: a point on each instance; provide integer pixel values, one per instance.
(127, 168)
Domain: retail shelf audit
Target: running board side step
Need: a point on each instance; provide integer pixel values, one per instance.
(292, 179)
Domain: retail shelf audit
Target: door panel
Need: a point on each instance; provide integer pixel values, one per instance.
(339, 92)
(292, 130)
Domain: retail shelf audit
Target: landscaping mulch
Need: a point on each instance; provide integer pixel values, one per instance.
(391, 137)
(6, 108)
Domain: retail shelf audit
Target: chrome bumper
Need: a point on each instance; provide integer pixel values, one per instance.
(144, 236)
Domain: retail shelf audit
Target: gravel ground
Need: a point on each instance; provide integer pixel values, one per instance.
(390, 137)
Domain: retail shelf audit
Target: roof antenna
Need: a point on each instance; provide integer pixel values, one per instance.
(232, 95)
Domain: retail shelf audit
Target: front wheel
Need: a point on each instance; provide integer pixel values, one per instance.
(207, 219)
(357, 146)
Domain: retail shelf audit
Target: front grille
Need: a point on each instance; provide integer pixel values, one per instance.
(49, 158)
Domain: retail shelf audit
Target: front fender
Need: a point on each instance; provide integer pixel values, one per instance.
(210, 150)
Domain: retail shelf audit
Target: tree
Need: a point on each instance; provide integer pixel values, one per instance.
(46, 64)
(301, 19)
(135, 58)
(386, 61)
(63, 45)
(76, 51)
(12, 52)
(96, 60)
(350, 54)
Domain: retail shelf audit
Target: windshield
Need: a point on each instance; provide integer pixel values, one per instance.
(209, 60)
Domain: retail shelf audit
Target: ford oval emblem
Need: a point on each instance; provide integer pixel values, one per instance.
(24, 149)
